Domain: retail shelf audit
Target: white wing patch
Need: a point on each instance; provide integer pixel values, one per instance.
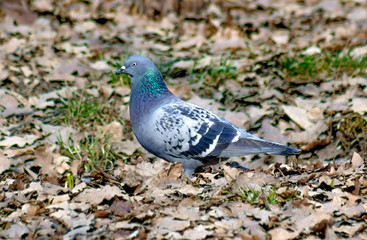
(237, 137)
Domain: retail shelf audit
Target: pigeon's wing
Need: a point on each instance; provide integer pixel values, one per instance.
(194, 132)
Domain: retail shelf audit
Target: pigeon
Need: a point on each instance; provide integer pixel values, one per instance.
(178, 131)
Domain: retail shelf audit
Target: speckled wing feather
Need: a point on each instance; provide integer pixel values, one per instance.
(192, 131)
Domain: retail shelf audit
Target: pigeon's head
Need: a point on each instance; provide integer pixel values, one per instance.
(137, 65)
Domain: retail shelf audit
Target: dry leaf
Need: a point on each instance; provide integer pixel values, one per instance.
(357, 160)
(299, 116)
(18, 141)
(96, 196)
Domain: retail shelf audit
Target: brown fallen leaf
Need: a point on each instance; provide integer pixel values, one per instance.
(198, 232)
(316, 144)
(185, 211)
(33, 210)
(175, 171)
(5, 162)
(101, 214)
(121, 208)
(50, 160)
(18, 184)
(96, 196)
(354, 211)
(298, 115)
(169, 224)
(351, 230)
(28, 139)
(114, 129)
(280, 233)
(356, 160)
(228, 224)
(59, 198)
(322, 226)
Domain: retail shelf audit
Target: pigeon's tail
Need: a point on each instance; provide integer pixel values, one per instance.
(245, 146)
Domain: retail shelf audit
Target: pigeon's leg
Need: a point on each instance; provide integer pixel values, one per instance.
(190, 166)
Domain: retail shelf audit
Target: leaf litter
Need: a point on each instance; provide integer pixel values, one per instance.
(287, 71)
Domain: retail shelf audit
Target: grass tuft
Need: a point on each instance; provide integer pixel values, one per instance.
(249, 195)
(70, 183)
(85, 110)
(351, 131)
(213, 75)
(94, 150)
(319, 66)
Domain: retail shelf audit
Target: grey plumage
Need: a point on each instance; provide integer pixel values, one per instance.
(178, 131)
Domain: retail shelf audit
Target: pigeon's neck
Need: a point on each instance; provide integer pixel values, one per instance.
(149, 86)
(147, 92)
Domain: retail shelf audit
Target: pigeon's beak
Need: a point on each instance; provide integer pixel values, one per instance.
(121, 70)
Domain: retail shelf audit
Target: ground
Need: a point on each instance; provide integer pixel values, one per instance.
(294, 72)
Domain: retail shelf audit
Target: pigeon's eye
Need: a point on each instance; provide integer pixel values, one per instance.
(133, 64)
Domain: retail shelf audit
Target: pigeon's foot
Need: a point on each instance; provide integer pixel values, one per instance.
(237, 165)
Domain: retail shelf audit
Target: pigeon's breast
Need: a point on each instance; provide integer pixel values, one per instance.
(144, 118)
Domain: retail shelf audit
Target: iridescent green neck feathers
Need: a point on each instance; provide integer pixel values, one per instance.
(150, 84)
